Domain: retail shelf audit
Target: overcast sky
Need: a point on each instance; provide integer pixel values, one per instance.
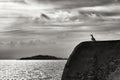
(55, 27)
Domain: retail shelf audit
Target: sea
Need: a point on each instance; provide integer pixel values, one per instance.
(31, 69)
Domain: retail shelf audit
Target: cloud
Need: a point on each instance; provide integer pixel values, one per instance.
(65, 22)
(113, 8)
(82, 19)
(72, 3)
(13, 9)
(17, 8)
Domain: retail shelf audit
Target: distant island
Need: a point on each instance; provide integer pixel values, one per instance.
(43, 57)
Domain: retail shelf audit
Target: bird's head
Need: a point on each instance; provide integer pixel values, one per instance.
(91, 34)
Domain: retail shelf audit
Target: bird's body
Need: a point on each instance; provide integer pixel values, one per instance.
(92, 38)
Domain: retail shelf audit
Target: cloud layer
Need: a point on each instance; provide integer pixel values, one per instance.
(54, 27)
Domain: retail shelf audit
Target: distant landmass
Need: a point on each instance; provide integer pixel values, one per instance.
(43, 57)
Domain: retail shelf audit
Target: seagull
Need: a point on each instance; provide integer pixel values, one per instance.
(92, 38)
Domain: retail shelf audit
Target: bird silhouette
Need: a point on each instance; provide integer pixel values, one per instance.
(45, 16)
(92, 38)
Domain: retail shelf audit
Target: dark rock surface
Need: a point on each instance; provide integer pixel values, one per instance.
(99, 60)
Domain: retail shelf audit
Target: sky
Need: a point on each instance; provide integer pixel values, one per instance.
(54, 27)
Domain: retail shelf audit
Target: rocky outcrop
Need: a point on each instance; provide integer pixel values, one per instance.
(99, 60)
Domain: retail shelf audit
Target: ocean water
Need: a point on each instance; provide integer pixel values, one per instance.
(31, 69)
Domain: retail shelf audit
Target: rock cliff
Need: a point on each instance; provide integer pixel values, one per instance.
(99, 60)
